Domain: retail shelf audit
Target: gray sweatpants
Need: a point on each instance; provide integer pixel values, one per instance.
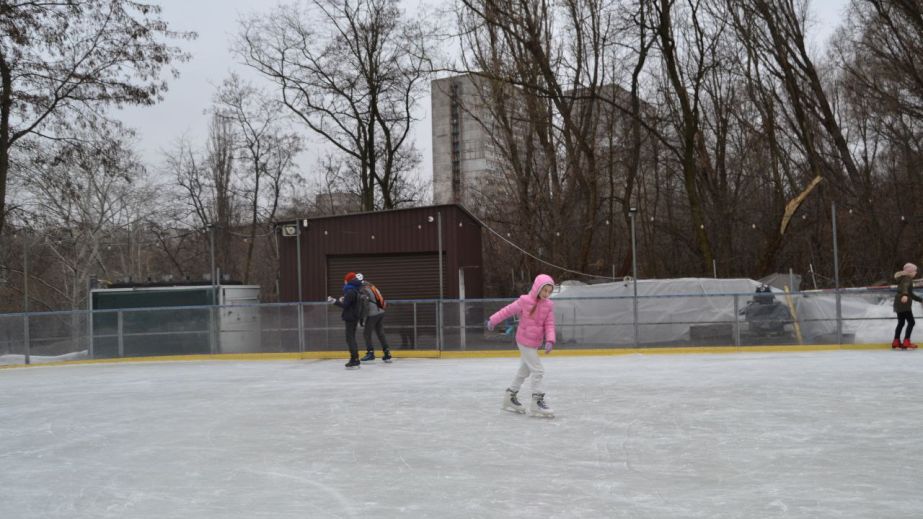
(374, 323)
(530, 364)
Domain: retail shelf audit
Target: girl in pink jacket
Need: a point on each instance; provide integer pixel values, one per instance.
(536, 330)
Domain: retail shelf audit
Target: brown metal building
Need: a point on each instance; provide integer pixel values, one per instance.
(398, 250)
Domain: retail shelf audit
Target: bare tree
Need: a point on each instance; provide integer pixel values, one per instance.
(706, 134)
(779, 32)
(355, 79)
(208, 189)
(879, 85)
(687, 62)
(78, 198)
(542, 68)
(61, 61)
(266, 150)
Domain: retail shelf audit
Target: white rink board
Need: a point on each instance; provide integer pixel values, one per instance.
(817, 434)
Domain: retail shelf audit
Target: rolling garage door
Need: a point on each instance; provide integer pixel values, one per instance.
(399, 276)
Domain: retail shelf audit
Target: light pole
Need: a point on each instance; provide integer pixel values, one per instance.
(212, 314)
(294, 230)
(25, 272)
(298, 259)
(298, 275)
(634, 270)
(211, 252)
(836, 278)
(440, 321)
(25, 292)
(439, 335)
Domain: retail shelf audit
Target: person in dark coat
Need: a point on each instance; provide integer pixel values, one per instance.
(349, 302)
(903, 301)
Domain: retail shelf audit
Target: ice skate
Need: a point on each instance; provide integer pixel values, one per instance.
(386, 356)
(909, 345)
(353, 363)
(368, 356)
(896, 344)
(539, 407)
(511, 402)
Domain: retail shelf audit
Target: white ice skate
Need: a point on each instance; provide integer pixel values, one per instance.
(539, 407)
(511, 403)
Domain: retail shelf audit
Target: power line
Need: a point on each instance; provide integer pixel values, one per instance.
(536, 258)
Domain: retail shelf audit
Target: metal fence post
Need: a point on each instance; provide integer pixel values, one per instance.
(462, 321)
(635, 318)
(462, 324)
(280, 331)
(736, 320)
(90, 346)
(327, 327)
(121, 335)
(300, 327)
(25, 335)
(211, 329)
(414, 325)
(439, 336)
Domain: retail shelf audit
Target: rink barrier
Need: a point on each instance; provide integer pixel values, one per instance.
(471, 354)
(313, 330)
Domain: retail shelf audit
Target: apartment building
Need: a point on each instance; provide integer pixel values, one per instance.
(464, 157)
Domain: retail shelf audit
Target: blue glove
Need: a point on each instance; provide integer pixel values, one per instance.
(489, 326)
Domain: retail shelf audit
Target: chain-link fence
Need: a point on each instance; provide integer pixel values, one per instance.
(809, 318)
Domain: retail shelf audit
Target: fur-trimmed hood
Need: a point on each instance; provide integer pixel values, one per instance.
(910, 270)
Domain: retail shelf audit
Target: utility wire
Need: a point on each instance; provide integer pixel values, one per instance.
(536, 258)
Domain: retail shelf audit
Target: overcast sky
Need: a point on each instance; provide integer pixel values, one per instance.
(182, 113)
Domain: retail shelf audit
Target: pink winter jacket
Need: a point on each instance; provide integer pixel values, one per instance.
(534, 327)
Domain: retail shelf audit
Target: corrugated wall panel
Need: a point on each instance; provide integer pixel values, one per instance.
(399, 276)
(396, 233)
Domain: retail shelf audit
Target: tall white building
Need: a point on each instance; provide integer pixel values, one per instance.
(464, 157)
(466, 160)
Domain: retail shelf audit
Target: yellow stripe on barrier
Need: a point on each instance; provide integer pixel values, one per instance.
(669, 350)
(435, 354)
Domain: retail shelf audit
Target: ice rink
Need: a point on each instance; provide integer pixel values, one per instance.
(748, 435)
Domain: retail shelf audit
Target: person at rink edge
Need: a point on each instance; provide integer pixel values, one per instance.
(536, 330)
(371, 317)
(902, 306)
(349, 302)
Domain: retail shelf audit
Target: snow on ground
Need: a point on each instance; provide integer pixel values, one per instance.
(820, 434)
(14, 359)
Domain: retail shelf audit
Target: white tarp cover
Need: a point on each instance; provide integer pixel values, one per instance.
(603, 314)
(602, 320)
(868, 316)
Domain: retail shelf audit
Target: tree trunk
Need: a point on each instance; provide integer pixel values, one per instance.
(6, 106)
(690, 131)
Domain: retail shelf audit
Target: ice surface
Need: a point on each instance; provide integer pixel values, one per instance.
(750, 435)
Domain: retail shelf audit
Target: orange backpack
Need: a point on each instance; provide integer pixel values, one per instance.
(379, 299)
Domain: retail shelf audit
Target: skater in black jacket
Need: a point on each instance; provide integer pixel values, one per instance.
(349, 302)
